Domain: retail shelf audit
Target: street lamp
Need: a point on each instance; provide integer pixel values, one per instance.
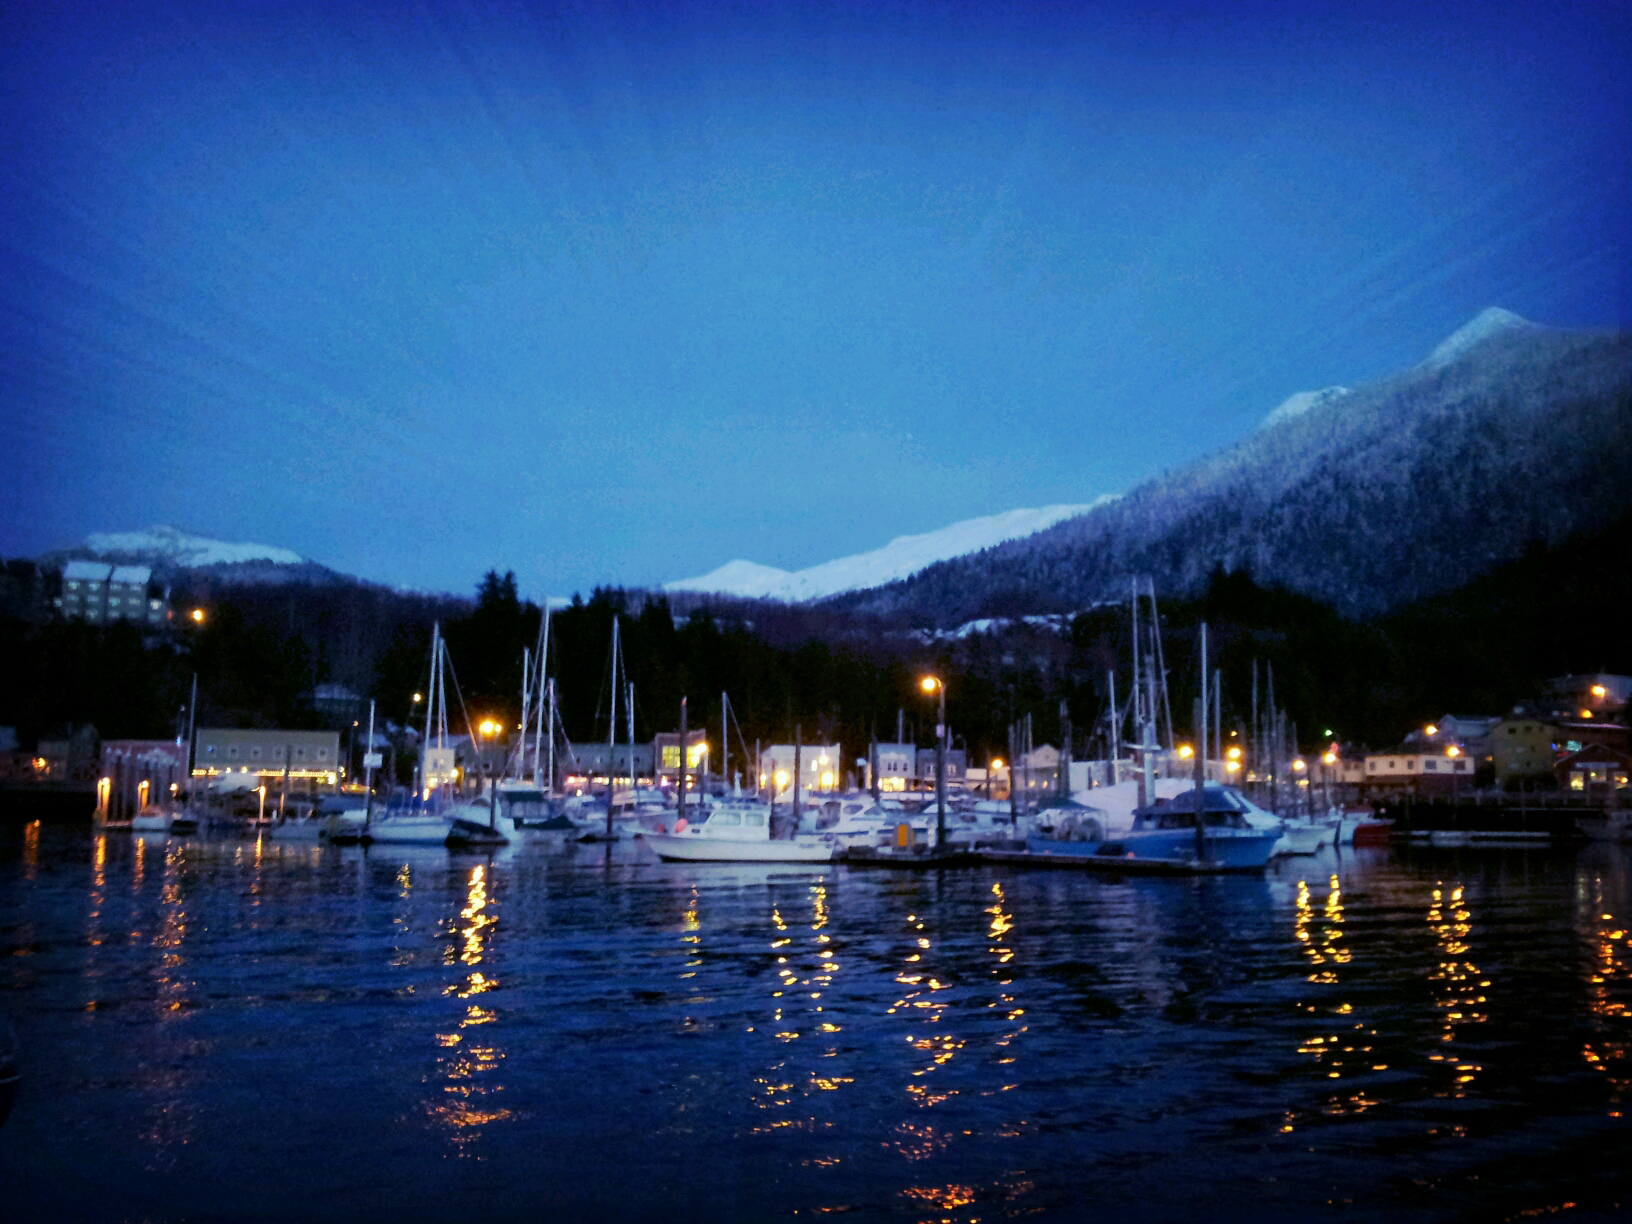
(934, 684)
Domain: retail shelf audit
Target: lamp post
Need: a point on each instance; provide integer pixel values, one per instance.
(933, 684)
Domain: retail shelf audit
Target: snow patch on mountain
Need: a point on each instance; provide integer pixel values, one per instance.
(1302, 402)
(900, 558)
(1490, 321)
(181, 549)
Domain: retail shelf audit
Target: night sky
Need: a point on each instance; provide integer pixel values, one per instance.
(617, 294)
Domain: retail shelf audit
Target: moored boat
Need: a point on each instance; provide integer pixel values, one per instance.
(1235, 835)
(737, 831)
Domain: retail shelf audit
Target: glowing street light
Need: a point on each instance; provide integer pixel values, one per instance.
(1431, 729)
(1599, 690)
(489, 728)
(1453, 751)
(1186, 752)
(197, 615)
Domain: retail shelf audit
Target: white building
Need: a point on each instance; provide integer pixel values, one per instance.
(895, 764)
(821, 767)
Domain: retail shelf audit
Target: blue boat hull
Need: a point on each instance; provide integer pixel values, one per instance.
(1231, 849)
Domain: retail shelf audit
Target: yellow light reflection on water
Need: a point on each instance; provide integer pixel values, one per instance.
(467, 1104)
(1608, 1053)
(1456, 981)
(1340, 1052)
(31, 848)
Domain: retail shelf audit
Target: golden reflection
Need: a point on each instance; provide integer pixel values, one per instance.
(805, 966)
(99, 882)
(476, 902)
(944, 1197)
(1456, 981)
(468, 1103)
(140, 866)
(1342, 1052)
(1608, 1056)
(692, 925)
(31, 848)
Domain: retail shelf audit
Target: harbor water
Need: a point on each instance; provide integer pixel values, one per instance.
(216, 1028)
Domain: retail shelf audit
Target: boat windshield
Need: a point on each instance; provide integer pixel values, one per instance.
(525, 805)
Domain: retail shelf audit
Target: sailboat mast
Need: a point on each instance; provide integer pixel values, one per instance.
(1161, 664)
(612, 730)
(550, 747)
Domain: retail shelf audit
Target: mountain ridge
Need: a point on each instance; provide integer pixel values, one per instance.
(1397, 489)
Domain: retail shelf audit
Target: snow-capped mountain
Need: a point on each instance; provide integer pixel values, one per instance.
(169, 545)
(1302, 402)
(1490, 321)
(176, 555)
(1508, 434)
(900, 558)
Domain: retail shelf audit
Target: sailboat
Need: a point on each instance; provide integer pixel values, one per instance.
(426, 821)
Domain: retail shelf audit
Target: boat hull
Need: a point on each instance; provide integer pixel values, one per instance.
(679, 848)
(411, 831)
(1229, 850)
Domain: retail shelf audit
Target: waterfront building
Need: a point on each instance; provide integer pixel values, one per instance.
(1422, 773)
(311, 757)
(895, 764)
(1593, 772)
(135, 772)
(821, 767)
(666, 754)
(590, 759)
(70, 757)
(957, 766)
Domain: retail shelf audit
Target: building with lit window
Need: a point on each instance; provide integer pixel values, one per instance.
(99, 594)
(821, 767)
(310, 757)
(666, 755)
(957, 766)
(894, 765)
(1423, 773)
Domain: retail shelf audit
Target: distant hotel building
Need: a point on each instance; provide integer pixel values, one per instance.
(99, 594)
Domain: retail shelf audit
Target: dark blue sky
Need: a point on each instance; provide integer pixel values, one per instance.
(617, 294)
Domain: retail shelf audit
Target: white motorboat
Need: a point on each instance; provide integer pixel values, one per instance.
(158, 819)
(737, 831)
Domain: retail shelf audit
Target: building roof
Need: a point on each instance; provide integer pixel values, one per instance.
(93, 571)
(132, 573)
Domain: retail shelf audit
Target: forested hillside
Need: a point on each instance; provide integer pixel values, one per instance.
(1368, 501)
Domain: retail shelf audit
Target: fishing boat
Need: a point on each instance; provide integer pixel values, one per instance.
(736, 831)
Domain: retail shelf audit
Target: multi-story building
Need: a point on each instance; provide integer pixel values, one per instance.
(894, 765)
(821, 768)
(313, 757)
(99, 593)
(957, 766)
(1419, 772)
(666, 755)
(1523, 745)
